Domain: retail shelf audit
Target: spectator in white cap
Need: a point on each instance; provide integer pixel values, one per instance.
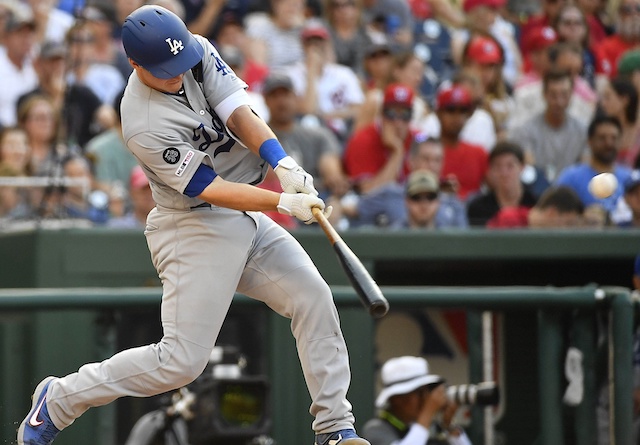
(411, 403)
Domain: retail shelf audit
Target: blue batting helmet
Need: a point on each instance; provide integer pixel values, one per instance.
(159, 41)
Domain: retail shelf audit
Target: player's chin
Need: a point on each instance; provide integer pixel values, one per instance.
(173, 85)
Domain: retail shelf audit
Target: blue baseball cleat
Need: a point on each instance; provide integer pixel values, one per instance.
(342, 437)
(37, 428)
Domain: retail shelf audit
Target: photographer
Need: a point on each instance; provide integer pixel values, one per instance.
(414, 407)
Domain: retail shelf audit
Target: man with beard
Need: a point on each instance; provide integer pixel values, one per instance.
(464, 163)
(604, 141)
(627, 37)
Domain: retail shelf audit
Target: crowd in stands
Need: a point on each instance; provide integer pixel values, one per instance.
(410, 114)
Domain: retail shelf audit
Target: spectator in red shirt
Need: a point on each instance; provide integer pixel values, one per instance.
(466, 162)
(375, 157)
(376, 154)
(627, 37)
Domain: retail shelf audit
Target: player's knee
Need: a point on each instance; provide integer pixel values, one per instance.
(314, 299)
(190, 366)
(185, 362)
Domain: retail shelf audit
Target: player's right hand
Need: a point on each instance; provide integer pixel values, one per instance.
(300, 205)
(293, 178)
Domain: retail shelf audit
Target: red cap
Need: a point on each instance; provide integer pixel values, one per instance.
(538, 38)
(472, 4)
(484, 50)
(138, 179)
(398, 95)
(454, 96)
(315, 30)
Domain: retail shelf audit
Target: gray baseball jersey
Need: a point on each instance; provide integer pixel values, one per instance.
(172, 134)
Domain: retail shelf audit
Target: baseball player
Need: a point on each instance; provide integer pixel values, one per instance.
(186, 117)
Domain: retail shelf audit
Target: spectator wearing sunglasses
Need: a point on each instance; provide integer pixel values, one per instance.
(465, 162)
(423, 202)
(376, 154)
(375, 159)
(427, 154)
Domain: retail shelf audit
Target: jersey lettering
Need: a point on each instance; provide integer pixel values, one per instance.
(201, 132)
(221, 66)
(224, 148)
(175, 45)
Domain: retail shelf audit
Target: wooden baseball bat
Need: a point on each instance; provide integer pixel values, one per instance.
(366, 288)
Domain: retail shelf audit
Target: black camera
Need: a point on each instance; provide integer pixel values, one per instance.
(231, 410)
(230, 407)
(482, 394)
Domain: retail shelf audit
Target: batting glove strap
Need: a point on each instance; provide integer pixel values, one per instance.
(300, 205)
(293, 178)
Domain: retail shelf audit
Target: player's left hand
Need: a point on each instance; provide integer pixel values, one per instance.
(293, 178)
(300, 205)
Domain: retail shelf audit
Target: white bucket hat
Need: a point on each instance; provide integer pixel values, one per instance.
(401, 375)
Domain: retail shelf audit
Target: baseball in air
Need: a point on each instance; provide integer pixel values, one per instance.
(603, 185)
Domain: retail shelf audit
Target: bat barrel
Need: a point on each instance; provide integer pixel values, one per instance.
(364, 285)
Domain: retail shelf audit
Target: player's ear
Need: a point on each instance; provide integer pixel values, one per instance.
(133, 64)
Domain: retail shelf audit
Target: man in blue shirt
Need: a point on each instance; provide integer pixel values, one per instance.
(604, 142)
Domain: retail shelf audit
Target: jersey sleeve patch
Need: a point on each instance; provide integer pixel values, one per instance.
(171, 155)
(187, 159)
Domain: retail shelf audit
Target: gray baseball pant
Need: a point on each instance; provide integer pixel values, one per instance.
(202, 257)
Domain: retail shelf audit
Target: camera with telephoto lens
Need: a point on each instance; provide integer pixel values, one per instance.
(482, 394)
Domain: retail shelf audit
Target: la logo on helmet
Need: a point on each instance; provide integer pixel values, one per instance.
(175, 45)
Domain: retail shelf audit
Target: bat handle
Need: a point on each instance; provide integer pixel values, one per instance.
(326, 225)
